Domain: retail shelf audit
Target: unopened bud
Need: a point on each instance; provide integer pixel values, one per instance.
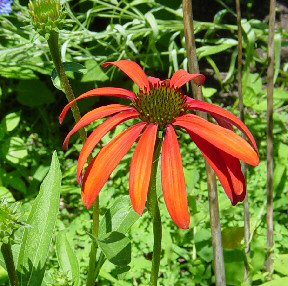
(46, 16)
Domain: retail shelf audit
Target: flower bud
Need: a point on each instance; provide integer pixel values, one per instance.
(46, 16)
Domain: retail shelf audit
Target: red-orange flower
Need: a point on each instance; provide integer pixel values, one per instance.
(161, 105)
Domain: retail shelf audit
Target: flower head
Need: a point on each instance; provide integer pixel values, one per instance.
(5, 7)
(46, 16)
(161, 106)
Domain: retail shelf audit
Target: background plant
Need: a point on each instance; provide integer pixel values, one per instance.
(151, 33)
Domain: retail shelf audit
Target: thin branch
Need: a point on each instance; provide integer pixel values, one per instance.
(270, 74)
(212, 190)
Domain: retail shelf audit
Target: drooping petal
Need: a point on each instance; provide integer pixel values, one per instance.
(95, 114)
(180, 77)
(101, 91)
(101, 167)
(140, 168)
(218, 112)
(222, 122)
(172, 179)
(133, 70)
(222, 138)
(98, 134)
(226, 167)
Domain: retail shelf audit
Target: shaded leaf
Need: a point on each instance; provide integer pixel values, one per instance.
(68, 67)
(120, 217)
(116, 248)
(67, 258)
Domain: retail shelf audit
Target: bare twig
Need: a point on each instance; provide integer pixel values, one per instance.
(212, 190)
(270, 74)
(243, 165)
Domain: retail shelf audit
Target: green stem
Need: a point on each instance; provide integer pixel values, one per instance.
(8, 257)
(155, 215)
(53, 43)
(92, 271)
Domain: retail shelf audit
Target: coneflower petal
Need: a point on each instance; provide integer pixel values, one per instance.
(133, 70)
(153, 80)
(226, 167)
(98, 134)
(140, 168)
(101, 91)
(172, 179)
(222, 138)
(217, 111)
(181, 77)
(101, 167)
(93, 115)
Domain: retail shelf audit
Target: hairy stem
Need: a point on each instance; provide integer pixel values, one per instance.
(8, 258)
(270, 74)
(211, 181)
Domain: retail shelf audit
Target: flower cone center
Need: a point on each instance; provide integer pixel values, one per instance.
(161, 105)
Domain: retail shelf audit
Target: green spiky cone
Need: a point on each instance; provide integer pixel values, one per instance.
(46, 16)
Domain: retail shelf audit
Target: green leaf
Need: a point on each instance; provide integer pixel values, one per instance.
(34, 93)
(5, 193)
(36, 239)
(120, 217)
(94, 72)
(234, 266)
(208, 91)
(67, 258)
(68, 67)
(203, 244)
(10, 122)
(14, 149)
(277, 282)
(116, 248)
(232, 236)
(211, 50)
(248, 43)
(280, 264)
(152, 22)
(277, 55)
(249, 96)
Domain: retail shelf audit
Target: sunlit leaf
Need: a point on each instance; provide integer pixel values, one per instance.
(37, 238)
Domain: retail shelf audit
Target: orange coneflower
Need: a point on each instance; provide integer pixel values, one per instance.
(161, 106)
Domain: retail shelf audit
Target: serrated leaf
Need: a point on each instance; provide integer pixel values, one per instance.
(67, 258)
(68, 67)
(36, 239)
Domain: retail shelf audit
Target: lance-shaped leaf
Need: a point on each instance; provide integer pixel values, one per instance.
(67, 258)
(36, 239)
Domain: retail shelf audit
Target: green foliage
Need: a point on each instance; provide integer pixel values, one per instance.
(151, 33)
(36, 240)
